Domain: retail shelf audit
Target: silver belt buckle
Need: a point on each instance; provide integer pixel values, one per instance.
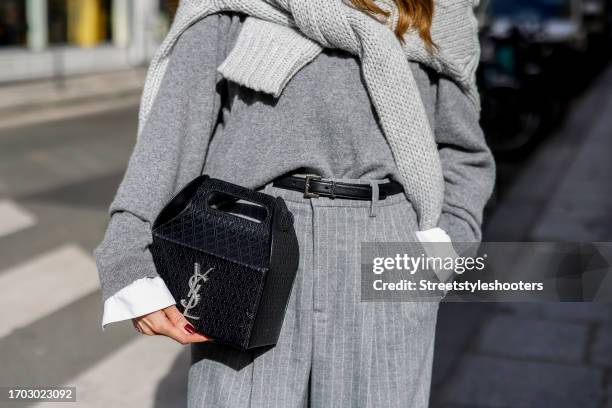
(307, 192)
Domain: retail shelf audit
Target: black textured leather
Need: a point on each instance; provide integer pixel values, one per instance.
(245, 268)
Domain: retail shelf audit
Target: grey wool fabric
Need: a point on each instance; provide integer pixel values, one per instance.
(323, 122)
(307, 107)
(356, 354)
(284, 35)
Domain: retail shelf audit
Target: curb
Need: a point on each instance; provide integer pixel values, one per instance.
(35, 102)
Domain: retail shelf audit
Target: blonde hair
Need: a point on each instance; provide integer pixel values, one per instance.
(412, 14)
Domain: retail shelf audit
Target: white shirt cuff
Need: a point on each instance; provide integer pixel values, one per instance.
(433, 235)
(437, 244)
(141, 297)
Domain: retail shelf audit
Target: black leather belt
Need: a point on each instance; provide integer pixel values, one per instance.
(313, 186)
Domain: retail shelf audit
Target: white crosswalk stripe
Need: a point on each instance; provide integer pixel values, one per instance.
(46, 283)
(130, 376)
(50, 304)
(13, 218)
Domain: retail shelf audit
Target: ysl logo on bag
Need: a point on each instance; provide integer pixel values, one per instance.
(195, 283)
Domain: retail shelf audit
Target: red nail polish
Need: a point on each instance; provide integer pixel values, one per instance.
(190, 329)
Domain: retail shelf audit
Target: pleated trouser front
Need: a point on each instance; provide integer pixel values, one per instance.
(334, 350)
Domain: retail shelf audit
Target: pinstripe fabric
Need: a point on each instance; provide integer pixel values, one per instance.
(334, 350)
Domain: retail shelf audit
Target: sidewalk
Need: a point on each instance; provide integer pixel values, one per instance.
(540, 354)
(58, 98)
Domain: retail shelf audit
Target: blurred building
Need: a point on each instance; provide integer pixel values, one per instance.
(56, 38)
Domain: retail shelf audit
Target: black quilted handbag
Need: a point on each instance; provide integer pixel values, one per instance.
(229, 256)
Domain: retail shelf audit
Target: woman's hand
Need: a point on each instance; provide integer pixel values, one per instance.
(168, 322)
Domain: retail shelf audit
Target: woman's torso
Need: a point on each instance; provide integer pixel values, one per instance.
(323, 123)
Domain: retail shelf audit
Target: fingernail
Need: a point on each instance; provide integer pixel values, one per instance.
(190, 329)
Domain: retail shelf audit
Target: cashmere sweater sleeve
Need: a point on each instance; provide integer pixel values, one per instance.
(173, 141)
(467, 163)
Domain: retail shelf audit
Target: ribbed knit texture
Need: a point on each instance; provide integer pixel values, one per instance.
(284, 35)
(267, 55)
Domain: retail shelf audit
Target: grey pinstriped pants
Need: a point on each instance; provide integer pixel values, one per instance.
(334, 350)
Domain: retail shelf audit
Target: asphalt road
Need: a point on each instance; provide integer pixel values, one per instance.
(56, 182)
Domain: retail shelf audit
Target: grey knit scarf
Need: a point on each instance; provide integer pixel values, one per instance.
(281, 36)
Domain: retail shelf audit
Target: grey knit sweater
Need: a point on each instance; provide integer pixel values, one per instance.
(323, 121)
(280, 37)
